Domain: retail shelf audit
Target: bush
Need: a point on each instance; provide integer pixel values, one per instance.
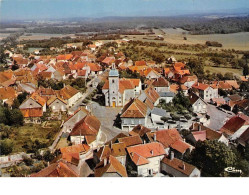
(28, 161)
(6, 147)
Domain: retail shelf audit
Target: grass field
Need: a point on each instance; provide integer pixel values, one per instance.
(29, 133)
(223, 70)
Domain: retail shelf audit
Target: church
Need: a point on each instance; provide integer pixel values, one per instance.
(119, 91)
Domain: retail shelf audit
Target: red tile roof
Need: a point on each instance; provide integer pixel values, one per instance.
(131, 140)
(234, 124)
(160, 82)
(172, 138)
(139, 130)
(140, 63)
(134, 109)
(113, 166)
(59, 169)
(139, 154)
(88, 126)
(38, 99)
(179, 165)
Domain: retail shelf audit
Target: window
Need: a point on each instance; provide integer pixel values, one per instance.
(113, 81)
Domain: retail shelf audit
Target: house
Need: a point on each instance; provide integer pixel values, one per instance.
(7, 78)
(172, 141)
(150, 73)
(58, 169)
(69, 94)
(205, 91)
(166, 96)
(198, 104)
(110, 167)
(108, 61)
(202, 133)
(235, 126)
(119, 91)
(33, 108)
(130, 140)
(133, 113)
(72, 153)
(72, 120)
(188, 80)
(7, 95)
(157, 114)
(140, 63)
(140, 130)
(150, 97)
(57, 104)
(161, 85)
(145, 158)
(117, 150)
(95, 69)
(244, 138)
(178, 168)
(85, 131)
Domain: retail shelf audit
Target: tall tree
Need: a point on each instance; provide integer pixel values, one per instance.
(212, 157)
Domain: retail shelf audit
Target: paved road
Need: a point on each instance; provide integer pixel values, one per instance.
(217, 117)
(106, 115)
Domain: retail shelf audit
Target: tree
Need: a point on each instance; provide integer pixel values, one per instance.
(245, 70)
(21, 97)
(182, 101)
(212, 157)
(6, 147)
(15, 117)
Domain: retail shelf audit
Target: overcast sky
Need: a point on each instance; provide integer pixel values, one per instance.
(38, 9)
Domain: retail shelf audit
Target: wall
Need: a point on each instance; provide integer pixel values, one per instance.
(154, 165)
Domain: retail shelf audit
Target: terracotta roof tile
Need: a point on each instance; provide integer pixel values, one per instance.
(113, 166)
(179, 165)
(139, 154)
(59, 169)
(134, 109)
(131, 140)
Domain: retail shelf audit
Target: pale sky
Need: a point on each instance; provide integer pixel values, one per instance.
(38, 9)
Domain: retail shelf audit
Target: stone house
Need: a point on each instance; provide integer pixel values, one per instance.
(85, 131)
(74, 119)
(116, 150)
(69, 94)
(33, 108)
(198, 104)
(166, 96)
(110, 167)
(205, 91)
(145, 158)
(57, 104)
(235, 126)
(178, 168)
(161, 85)
(171, 141)
(202, 133)
(134, 112)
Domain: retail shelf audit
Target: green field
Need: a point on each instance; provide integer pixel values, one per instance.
(28, 133)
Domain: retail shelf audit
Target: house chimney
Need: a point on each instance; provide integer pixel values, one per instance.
(182, 166)
(171, 155)
(105, 161)
(155, 136)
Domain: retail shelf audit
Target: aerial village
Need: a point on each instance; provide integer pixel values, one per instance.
(109, 116)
